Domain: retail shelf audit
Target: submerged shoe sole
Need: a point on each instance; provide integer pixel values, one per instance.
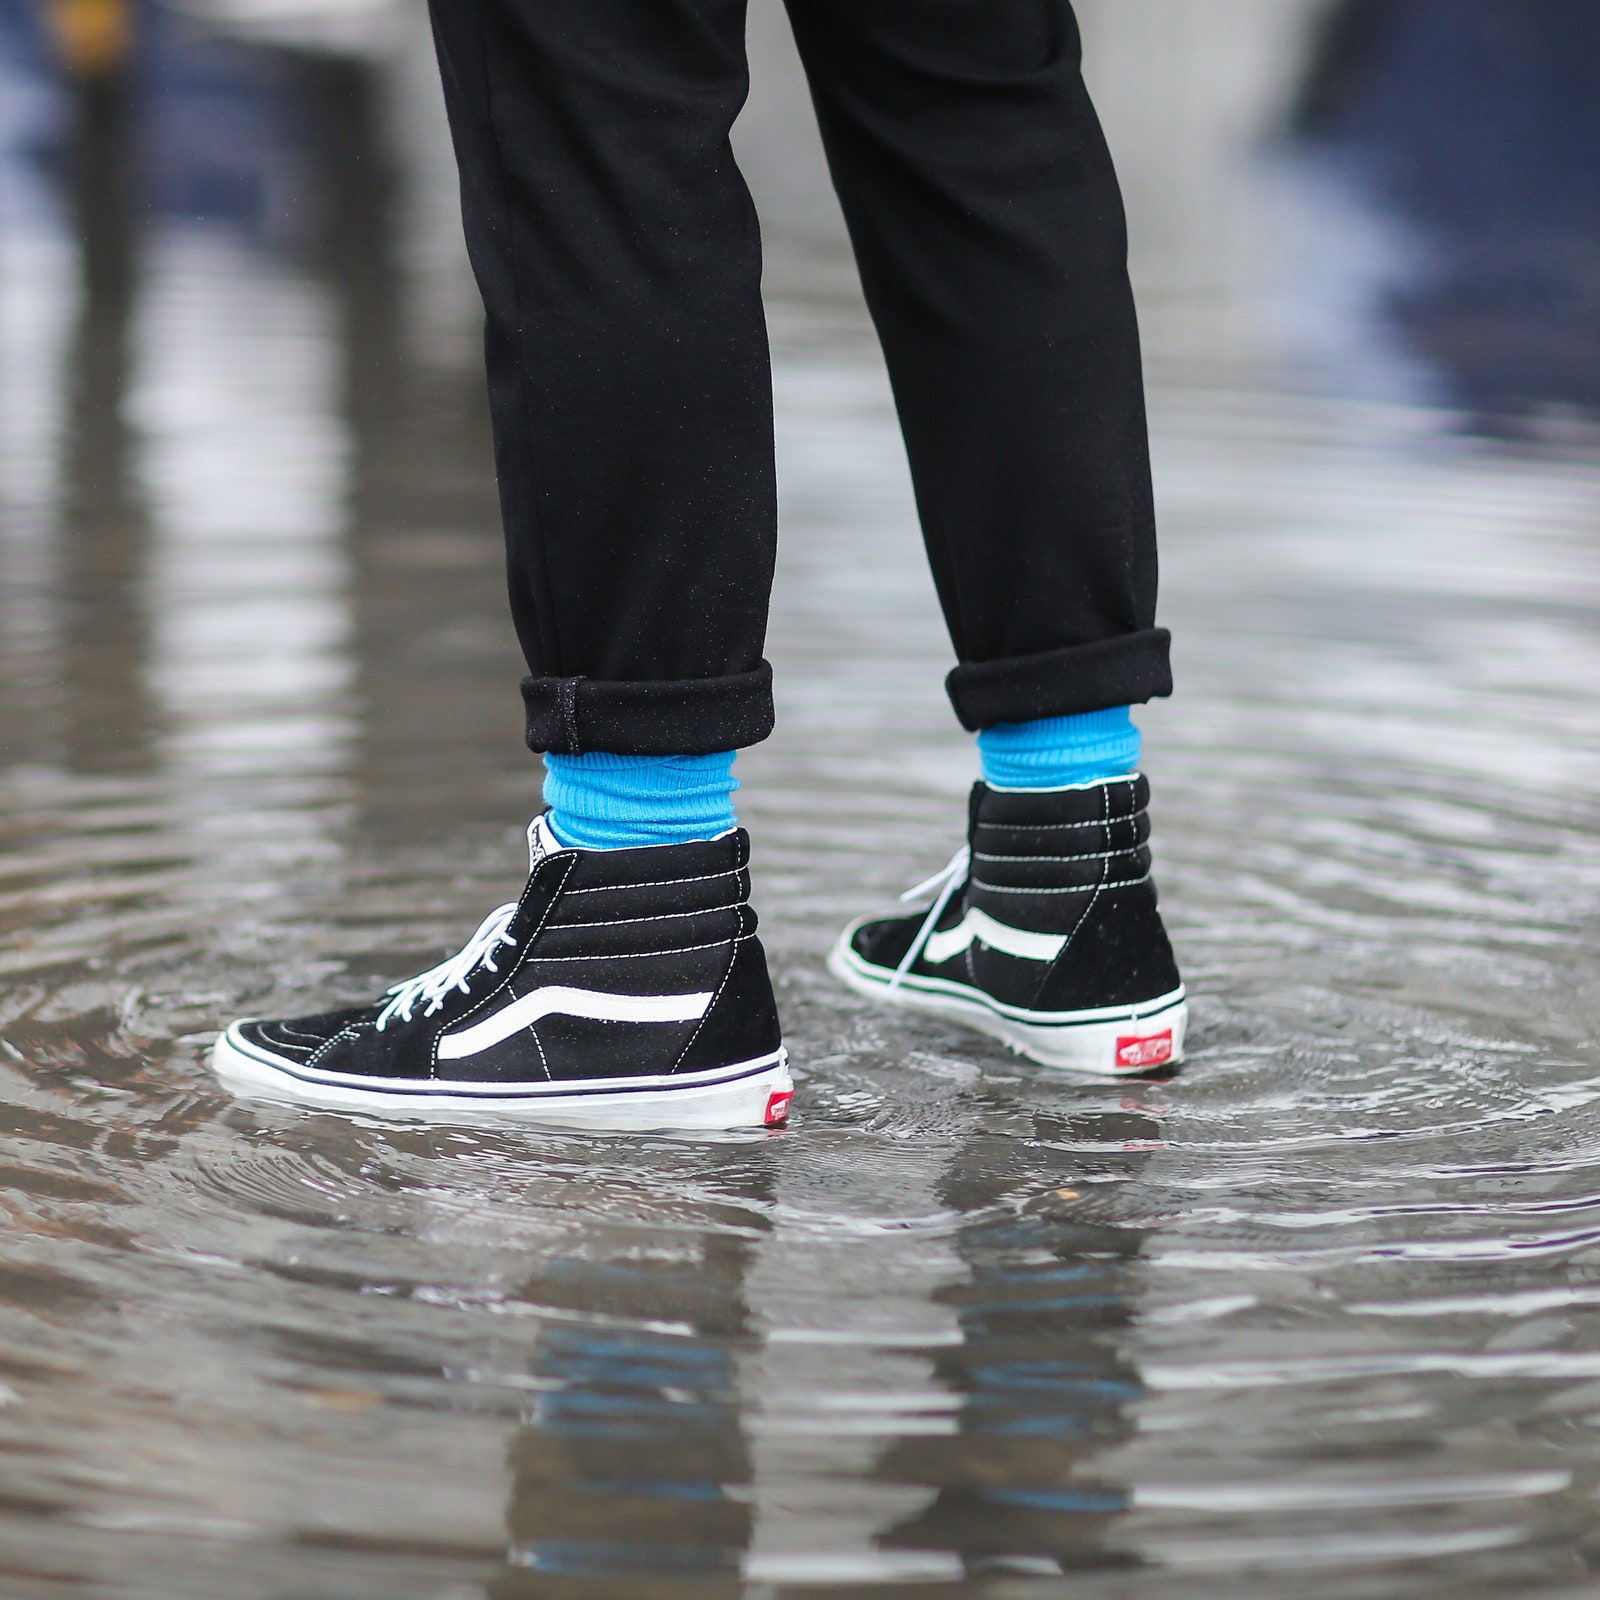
(747, 1094)
(1113, 1042)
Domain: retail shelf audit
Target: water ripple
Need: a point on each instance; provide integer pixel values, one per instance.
(1318, 1312)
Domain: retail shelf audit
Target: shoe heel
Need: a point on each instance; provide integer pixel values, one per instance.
(1125, 1049)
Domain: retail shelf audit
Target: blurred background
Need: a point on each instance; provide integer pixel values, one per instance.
(1315, 1319)
(238, 339)
(1387, 195)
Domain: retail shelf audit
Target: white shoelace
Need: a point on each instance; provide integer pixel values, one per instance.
(434, 984)
(946, 881)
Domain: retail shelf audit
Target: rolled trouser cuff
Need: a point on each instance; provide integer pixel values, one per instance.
(1124, 671)
(652, 717)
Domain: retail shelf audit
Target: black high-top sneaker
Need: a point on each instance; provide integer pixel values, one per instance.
(625, 989)
(1043, 932)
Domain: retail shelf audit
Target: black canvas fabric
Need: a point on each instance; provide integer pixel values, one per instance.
(668, 920)
(618, 254)
(1075, 863)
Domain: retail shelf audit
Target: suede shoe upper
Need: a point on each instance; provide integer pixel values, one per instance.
(1057, 912)
(613, 964)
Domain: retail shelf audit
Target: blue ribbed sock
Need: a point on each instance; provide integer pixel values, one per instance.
(1059, 752)
(607, 802)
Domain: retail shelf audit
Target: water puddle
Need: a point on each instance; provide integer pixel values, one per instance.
(1317, 1316)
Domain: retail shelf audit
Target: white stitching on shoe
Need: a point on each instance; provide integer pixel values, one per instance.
(733, 961)
(1078, 925)
(538, 1044)
(527, 943)
(666, 916)
(1071, 888)
(659, 883)
(1056, 827)
(640, 955)
(328, 1044)
(1090, 855)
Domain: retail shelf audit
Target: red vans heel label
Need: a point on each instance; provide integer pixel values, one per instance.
(1133, 1050)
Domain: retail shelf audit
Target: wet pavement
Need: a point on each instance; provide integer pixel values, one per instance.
(1319, 1316)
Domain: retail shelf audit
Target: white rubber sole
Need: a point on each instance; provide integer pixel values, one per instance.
(748, 1094)
(1115, 1042)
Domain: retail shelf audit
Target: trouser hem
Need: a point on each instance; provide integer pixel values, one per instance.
(1124, 671)
(655, 717)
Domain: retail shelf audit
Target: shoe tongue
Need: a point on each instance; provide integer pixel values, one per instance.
(542, 842)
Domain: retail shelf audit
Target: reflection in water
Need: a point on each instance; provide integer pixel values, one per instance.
(104, 705)
(1045, 1388)
(427, 586)
(1318, 1316)
(635, 1466)
(39, 273)
(243, 460)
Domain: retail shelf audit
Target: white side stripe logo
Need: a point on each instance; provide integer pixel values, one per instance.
(979, 926)
(555, 1000)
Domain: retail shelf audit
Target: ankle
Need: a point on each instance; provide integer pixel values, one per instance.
(602, 801)
(1060, 752)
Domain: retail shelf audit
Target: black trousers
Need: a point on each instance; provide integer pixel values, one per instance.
(619, 258)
